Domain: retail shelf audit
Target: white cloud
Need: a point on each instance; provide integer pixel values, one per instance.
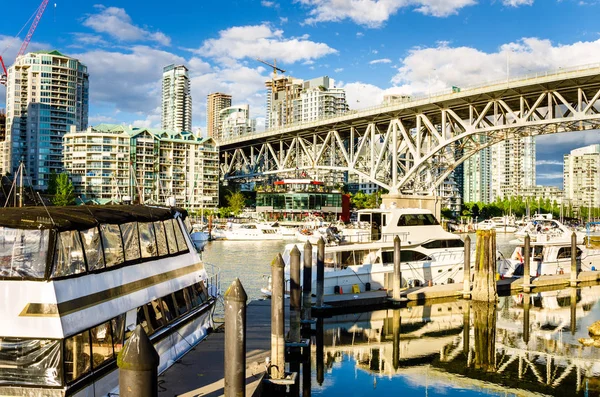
(548, 162)
(117, 23)
(517, 3)
(338, 70)
(383, 60)
(261, 41)
(438, 68)
(373, 13)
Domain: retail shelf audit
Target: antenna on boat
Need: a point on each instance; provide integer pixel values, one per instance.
(46, 208)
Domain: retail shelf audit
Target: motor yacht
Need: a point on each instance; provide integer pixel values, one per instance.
(252, 231)
(77, 280)
(500, 224)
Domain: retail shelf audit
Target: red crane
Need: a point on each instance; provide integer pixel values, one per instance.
(38, 15)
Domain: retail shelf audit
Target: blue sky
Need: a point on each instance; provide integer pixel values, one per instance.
(369, 47)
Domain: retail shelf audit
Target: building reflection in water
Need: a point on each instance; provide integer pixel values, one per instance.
(526, 343)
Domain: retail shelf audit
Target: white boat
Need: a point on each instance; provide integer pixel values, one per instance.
(79, 280)
(500, 224)
(253, 231)
(429, 254)
(546, 229)
(199, 234)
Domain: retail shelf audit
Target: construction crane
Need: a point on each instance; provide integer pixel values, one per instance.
(274, 66)
(38, 15)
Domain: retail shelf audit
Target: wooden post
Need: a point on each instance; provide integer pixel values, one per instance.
(320, 272)
(138, 366)
(574, 267)
(235, 340)
(307, 282)
(467, 269)
(277, 319)
(526, 264)
(484, 284)
(295, 295)
(397, 271)
(526, 309)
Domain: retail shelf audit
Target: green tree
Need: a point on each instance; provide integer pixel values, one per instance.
(64, 190)
(236, 202)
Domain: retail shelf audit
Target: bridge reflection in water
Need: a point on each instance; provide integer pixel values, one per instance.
(526, 344)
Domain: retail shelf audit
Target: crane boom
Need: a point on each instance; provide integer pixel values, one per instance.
(3, 72)
(274, 66)
(34, 24)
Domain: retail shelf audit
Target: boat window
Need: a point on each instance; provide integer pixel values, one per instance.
(77, 356)
(161, 239)
(565, 252)
(68, 258)
(171, 239)
(444, 244)
(93, 248)
(364, 218)
(417, 220)
(411, 256)
(352, 258)
(193, 296)
(181, 243)
(168, 308)
(201, 292)
(155, 314)
(183, 304)
(23, 252)
(102, 344)
(142, 320)
(118, 333)
(188, 224)
(131, 241)
(147, 240)
(113, 246)
(30, 362)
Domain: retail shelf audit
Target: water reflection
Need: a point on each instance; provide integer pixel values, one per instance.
(526, 344)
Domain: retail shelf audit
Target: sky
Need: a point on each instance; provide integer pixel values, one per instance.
(369, 47)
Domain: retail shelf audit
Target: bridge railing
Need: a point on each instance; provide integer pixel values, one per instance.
(414, 100)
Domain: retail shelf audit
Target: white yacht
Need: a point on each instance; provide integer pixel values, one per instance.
(500, 224)
(77, 281)
(429, 254)
(253, 231)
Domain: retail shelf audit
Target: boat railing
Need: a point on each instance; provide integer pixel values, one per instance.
(368, 237)
(213, 282)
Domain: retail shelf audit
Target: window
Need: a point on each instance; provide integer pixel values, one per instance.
(102, 344)
(411, 256)
(23, 253)
(118, 333)
(68, 257)
(201, 291)
(417, 220)
(30, 362)
(147, 240)
(565, 252)
(161, 239)
(171, 239)
(113, 248)
(182, 301)
(77, 356)
(168, 308)
(131, 241)
(92, 248)
(444, 244)
(181, 243)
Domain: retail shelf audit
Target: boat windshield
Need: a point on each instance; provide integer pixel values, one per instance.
(417, 220)
(23, 253)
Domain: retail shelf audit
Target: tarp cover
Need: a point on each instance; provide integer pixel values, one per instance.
(82, 217)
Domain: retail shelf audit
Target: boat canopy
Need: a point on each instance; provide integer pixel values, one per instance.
(83, 217)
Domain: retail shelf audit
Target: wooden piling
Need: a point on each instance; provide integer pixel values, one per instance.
(235, 340)
(484, 284)
(307, 282)
(467, 269)
(295, 304)
(526, 264)
(320, 272)
(277, 370)
(397, 271)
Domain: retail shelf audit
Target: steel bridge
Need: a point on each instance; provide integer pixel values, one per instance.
(411, 147)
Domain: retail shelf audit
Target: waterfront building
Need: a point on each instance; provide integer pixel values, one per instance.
(216, 102)
(476, 178)
(542, 192)
(2, 125)
(581, 176)
(112, 162)
(176, 99)
(512, 167)
(448, 191)
(291, 100)
(46, 93)
(235, 121)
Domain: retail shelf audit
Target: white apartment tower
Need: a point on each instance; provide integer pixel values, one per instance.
(581, 176)
(46, 93)
(512, 167)
(215, 102)
(235, 121)
(176, 99)
(477, 178)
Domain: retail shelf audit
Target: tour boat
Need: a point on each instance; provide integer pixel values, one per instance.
(429, 254)
(77, 280)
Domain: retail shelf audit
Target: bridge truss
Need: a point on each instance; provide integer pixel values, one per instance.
(413, 147)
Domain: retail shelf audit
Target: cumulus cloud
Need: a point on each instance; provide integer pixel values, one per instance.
(517, 3)
(262, 41)
(117, 23)
(374, 13)
(383, 60)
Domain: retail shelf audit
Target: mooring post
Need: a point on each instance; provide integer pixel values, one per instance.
(397, 271)
(235, 340)
(573, 311)
(574, 269)
(526, 264)
(320, 272)
(307, 281)
(277, 319)
(484, 284)
(396, 331)
(295, 295)
(138, 366)
(467, 269)
(320, 356)
(467, 329)
(526, 307)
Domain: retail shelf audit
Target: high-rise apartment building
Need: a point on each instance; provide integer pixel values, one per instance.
(109, 162)
(215, 102)
(2, 125)
(476, 178)
(176, 99)
(235, 121)
(581, 176)
(291, 100)
(512, 167)
(46, 93)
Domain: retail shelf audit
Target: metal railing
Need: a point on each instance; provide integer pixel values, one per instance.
(213, 282)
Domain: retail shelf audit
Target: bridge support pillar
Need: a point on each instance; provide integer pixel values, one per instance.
(432, 203)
